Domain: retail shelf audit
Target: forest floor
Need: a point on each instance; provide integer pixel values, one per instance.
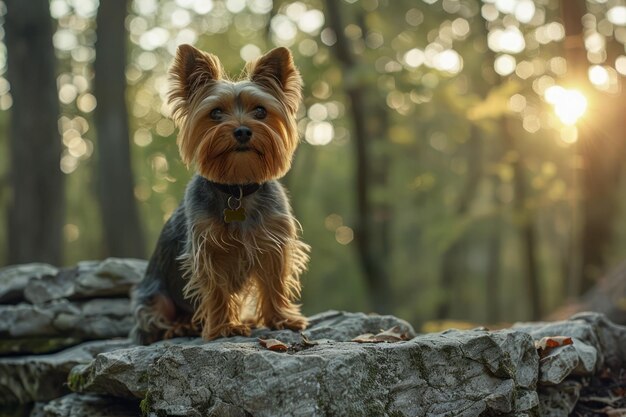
(603, 395)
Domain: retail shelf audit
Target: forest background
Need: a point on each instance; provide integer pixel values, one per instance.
(459, 158)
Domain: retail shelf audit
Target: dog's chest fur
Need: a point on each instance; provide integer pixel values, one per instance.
(229, 251)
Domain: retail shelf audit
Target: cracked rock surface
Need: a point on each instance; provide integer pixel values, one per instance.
(14, 279)
(74, 405)
(597, 343)
(25, 379)
(451, 373)
(93, 319)
(89, 279)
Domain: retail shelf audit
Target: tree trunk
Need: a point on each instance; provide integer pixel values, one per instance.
(528, 234)
(600, 152)
(492, 278)
(122, 229)
(373, 264)
(37, 207)
(452, 264)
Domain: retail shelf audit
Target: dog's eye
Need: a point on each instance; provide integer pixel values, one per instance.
(260, 113)
(216, 114)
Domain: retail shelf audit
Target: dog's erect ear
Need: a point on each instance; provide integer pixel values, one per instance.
(277, 72)
(191, 70)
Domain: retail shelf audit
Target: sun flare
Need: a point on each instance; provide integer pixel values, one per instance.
(569, 105)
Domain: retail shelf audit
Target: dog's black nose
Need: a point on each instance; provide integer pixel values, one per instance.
(243, 134)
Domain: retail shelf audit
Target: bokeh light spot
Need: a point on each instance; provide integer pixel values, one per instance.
(598, 75)
(505, 64)
(525, 11)
(250, 52)
(344, 235)
(284, 29)
(414, 57)
(620, 64)
(65, 40)
(617, 15)
(517, 103)
(311, 21)
(509, 40)
(449, 61)
(333, 221)
(235, 6)
(67, 93)
(506, 6)
(86, 103)
(319, 133)
(318, 112)
(142, 137)
(71, 232)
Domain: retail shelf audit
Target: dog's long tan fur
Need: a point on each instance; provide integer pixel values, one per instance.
(205, 271)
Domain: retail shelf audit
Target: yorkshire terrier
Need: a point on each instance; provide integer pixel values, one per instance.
(232, 245)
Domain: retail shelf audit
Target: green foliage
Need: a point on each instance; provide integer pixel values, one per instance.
(495, 105)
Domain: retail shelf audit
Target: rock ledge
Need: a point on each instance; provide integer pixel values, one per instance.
(321, 372)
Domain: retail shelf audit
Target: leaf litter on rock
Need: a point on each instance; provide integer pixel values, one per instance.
(548, 343)
(392, 335)
(276, 345)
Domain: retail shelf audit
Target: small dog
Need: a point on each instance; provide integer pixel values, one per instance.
(232, 244)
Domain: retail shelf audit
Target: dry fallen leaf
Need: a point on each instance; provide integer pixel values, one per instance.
(365, 338)
(546, 344)
(395, 334)
(273, 345)
(551, 342)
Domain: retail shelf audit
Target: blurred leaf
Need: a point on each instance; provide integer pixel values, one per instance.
(401, 135)
(496, 103)
(273, 345)
(548, 343)
(394, 334)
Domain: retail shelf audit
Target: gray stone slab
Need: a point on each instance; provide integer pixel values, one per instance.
(452, 373)
(25, 379)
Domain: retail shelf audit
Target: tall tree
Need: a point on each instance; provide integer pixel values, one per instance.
(371, 231)
(528, 232)
(36, 210)
(452, 262)
(122, 229)
(601, 155)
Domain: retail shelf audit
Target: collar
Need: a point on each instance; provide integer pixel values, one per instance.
(238, 190)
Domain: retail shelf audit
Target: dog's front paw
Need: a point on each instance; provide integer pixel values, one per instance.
(292, 322)
(182, 329)
(226, 330)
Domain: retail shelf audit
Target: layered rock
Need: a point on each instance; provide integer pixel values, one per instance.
(44, 309)
(321, 371)
(14, 279)
(112, 277)
(451, 373)
(26, 379)
(596, 343)
(464, 373)
(75, 405)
